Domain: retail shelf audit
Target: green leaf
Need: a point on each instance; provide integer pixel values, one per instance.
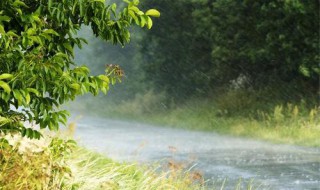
(6, 76)
(18, 3)
(23, 132)
(135, 9)
(304, 70)
(153, 12)
(74, 7)
(132, 14)
(113, 8)
(2, 31)
(143, 21)
(50, 4)
(75, 86)
(104, 78)
(4, 121)
(34, 91)
(27, 97)
(68, 47)
(50, 31)
(5, 18)
(17, 94)
(11, 33)
(149, 23)
(5, 86)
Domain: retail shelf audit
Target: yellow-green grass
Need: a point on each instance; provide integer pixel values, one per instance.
(99, 172)
(302, 130)
(287, 123)
(53, 163)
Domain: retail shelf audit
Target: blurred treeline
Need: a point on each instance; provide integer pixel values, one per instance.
(238, 53)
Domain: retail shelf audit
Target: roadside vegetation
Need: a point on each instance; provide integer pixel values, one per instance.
(55, 163)
(247, 68)
(235, 114)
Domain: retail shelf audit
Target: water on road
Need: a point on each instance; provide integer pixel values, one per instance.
(218, 157)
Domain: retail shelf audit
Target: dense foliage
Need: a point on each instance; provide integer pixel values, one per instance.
(255, 45)
(37, 70)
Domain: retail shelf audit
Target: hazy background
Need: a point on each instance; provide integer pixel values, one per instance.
(240, 68)
(238, 56)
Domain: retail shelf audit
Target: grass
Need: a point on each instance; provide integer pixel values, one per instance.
(299, 131)
(242, 116)
(54, 163)
(98, 172)
(33, 164)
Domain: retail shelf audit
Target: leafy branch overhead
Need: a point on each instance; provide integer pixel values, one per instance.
(37, 71)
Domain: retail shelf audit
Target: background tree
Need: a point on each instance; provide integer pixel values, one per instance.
(176, 63)
(37, 71)
(272, 45)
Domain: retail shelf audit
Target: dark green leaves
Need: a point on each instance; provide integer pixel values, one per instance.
(30, 133)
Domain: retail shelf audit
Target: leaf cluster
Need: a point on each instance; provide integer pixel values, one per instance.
(37, 69)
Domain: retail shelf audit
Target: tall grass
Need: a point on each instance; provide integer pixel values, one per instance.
(93, 171)
(54, 163)
(283, 125)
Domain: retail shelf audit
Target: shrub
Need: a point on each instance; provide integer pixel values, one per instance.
(34, 164)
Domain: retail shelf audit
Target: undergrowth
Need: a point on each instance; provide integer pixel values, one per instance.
(34, 164)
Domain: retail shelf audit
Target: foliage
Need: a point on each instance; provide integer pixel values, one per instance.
(34, 164)
(269, 42)
(97, 54)
(272, 44)
(176, 63)
(146, 103)
(37, 71)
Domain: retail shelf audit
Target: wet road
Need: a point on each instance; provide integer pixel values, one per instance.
(218, 157)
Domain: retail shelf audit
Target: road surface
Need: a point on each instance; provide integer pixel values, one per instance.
(217, 157)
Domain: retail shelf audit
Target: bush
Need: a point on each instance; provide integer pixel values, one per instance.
(146, 103)
(235, 102)
(34, 164)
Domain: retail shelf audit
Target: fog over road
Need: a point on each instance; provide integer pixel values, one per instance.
(216, 156)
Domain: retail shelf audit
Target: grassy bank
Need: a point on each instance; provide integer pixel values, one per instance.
(299, 131)
(275, 127)
(237, 114)
(54, 163)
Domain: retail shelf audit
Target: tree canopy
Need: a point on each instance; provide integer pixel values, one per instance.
(37, 69)
(271, 44)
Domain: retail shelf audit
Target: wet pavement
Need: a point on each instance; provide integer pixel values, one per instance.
(217, 157)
